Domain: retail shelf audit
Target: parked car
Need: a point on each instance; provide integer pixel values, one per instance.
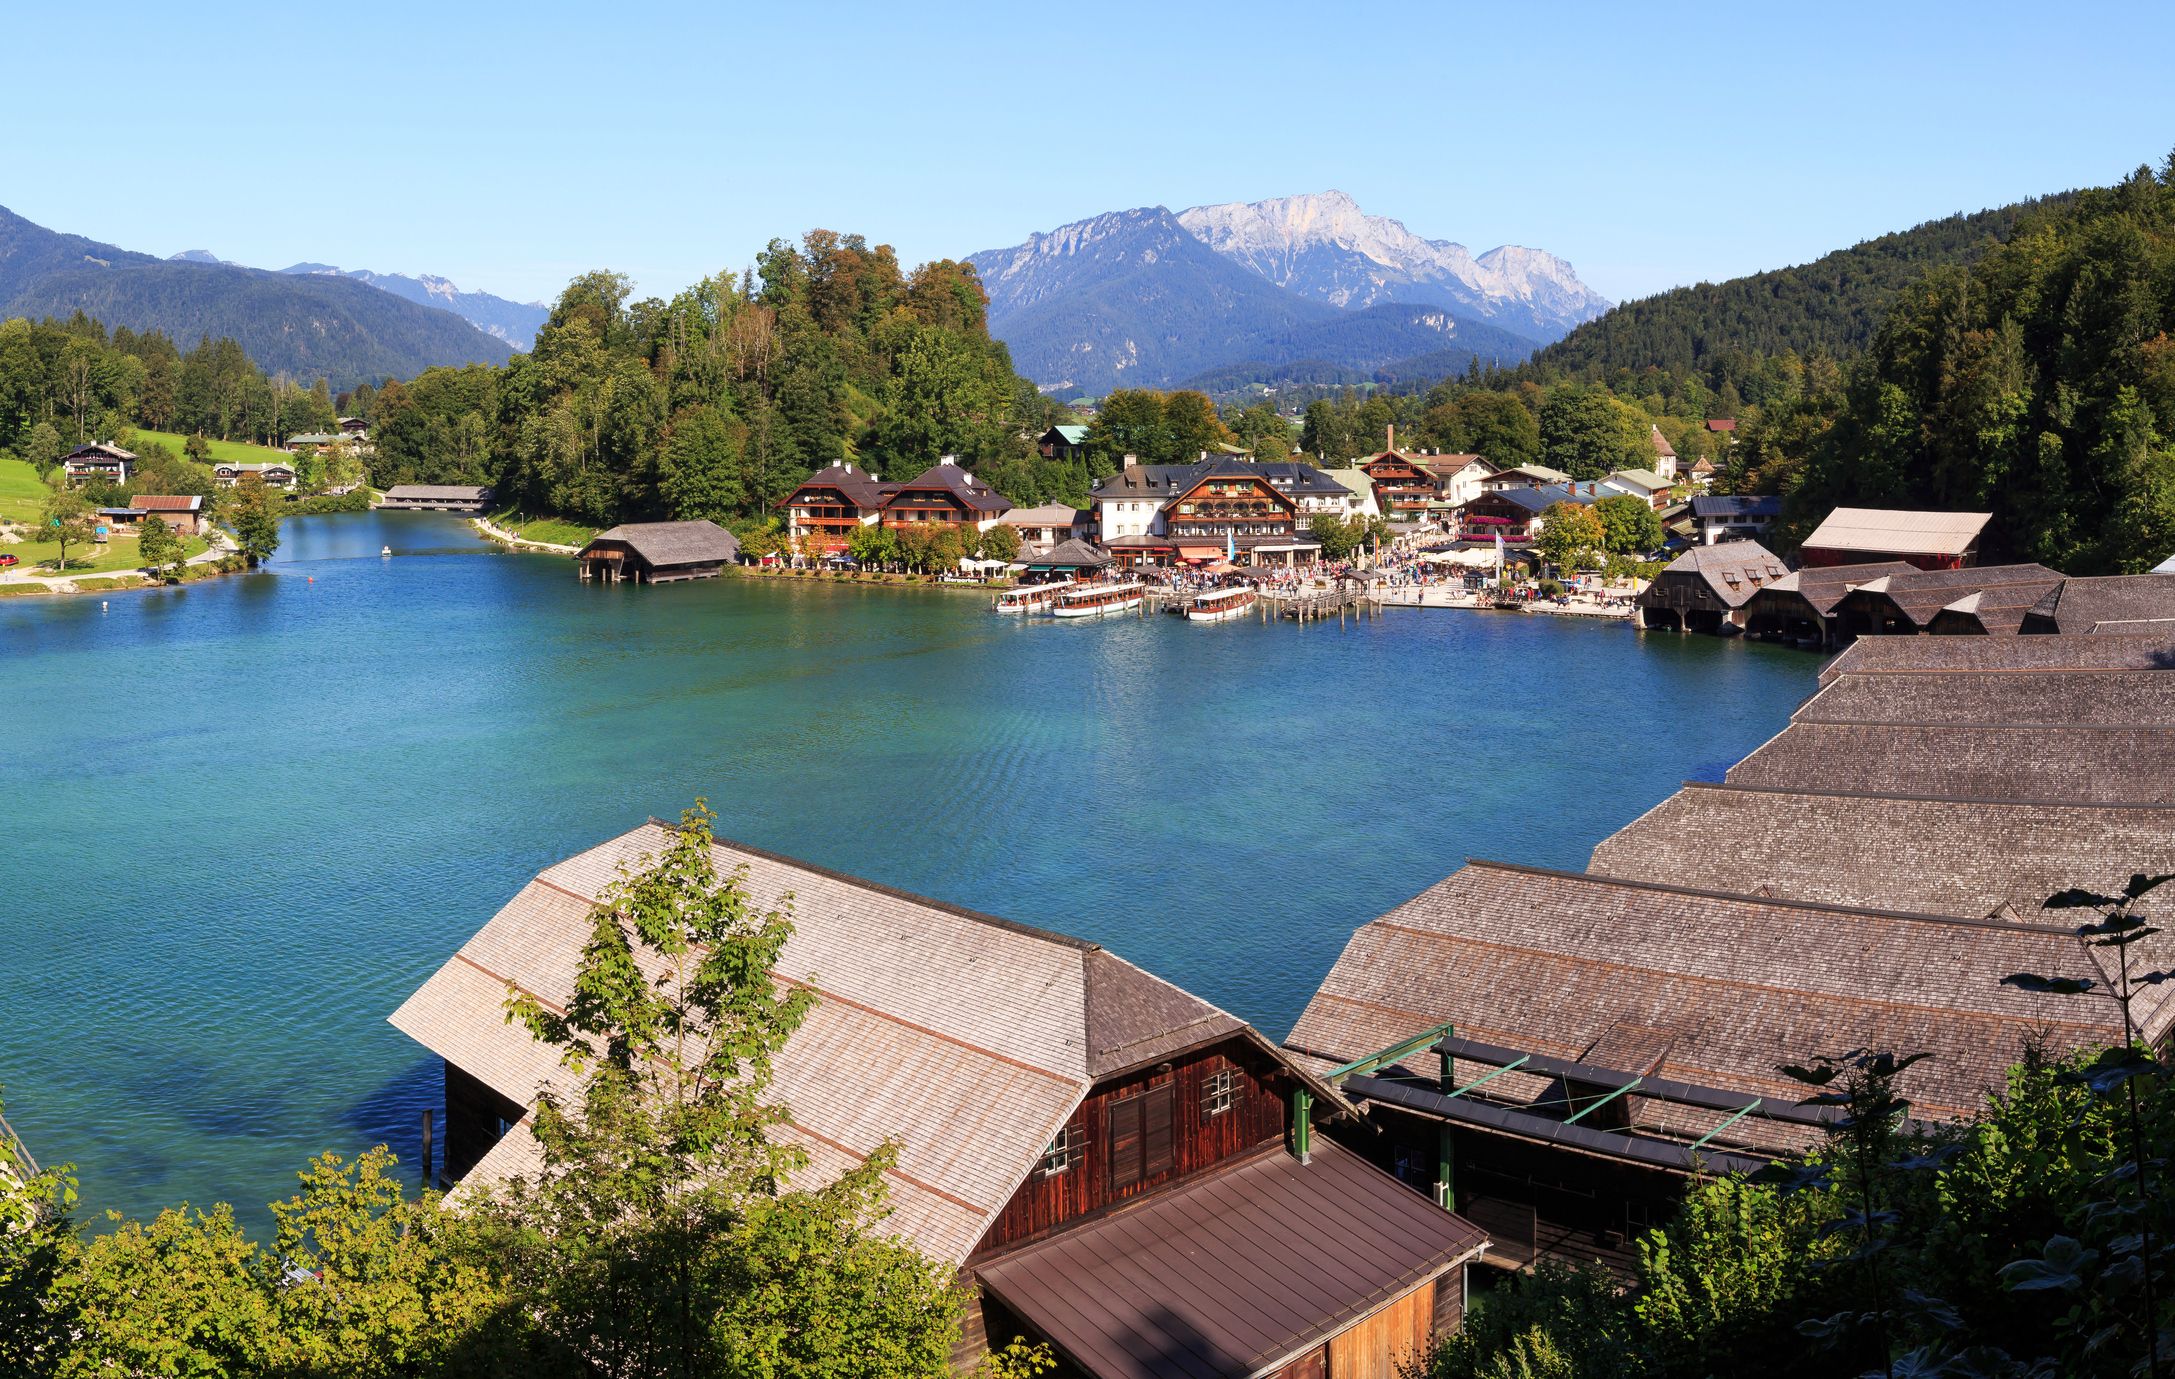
(6, 560)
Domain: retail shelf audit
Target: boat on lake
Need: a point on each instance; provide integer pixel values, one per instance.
(1029, 598)
(1219, 605)
(1094, 600)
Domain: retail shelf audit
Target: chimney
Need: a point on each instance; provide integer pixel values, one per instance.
(1392, 437)
(947, 459)
(1131, 460)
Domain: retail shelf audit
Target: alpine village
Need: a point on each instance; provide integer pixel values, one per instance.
(1221, 795)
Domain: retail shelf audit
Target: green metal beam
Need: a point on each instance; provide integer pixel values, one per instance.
(1738, 1116)
(1391, 1054)
(1600, 1102)
(1482, 1081)
(1302, 1125)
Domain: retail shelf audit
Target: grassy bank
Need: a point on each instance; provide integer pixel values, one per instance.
(118, 554)
(22, 495)
(234, 452)
(554, 531)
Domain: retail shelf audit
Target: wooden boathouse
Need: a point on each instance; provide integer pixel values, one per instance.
(658, 552)
(1565, 1051)
(1708, 587)
(1112, 1165)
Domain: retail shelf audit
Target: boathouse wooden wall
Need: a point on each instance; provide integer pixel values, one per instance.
(1391, 1341)
(1535, 1202)
(1258, 1114)
(476, 1116)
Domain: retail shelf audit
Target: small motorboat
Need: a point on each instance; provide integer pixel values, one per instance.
(385, 550)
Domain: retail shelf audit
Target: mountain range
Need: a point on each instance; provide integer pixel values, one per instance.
(514, 322)
(1259, 289)
(304, 325)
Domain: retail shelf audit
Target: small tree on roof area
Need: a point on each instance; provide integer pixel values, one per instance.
(666, 1233)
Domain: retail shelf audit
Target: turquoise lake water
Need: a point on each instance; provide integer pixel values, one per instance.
(247, 817)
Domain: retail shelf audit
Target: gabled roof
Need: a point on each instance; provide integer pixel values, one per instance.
(1047, 515)
(1234, 1273)
(1074, 554)
(1721, 424)
(672, 543)
(1663, 450)
(1822, 587)
(1644, 478)
(1352, 481)
(2105, 603)
(2056, 698)
(1942, 856)
(1070, 435)
(1723, 506)
(1917, 595)
(1734, 570)
(167, 502)
(459, 493)
(858, 485)
(968, 1039)
(1888, 531)
(976, 495)
(1540, 472)
(1448, 466)
(1143, 481)
(252, 466)
(1938, 656)
(2001, 761)
(1550, 962)
(98, 450)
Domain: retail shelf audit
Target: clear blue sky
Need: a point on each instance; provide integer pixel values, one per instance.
(509, 146)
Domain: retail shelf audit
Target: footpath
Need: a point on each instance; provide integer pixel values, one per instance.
(221, 547)
(520, 543)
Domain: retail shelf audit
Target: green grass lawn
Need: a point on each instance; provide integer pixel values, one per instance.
(235, 451)
(22, 496)
(556, 531)
(116, 555)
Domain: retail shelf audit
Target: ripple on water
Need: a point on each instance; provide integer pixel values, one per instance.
(266, 809)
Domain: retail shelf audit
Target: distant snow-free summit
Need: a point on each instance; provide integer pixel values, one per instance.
(1298, 286)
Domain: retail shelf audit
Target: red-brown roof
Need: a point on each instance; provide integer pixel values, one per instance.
(167, 502)
(1234, 1273)
(1721, 423)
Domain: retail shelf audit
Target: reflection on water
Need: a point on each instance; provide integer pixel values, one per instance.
(250, 815)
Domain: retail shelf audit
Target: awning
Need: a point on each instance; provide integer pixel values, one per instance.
(1200, 1280)
(1200, 552)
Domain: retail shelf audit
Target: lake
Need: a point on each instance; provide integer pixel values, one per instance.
(247, 817)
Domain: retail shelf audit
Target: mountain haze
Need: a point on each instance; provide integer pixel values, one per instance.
(1146, 298)
(514, 322)
(307, 327)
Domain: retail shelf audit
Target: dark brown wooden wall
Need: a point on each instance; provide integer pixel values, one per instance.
(1044, 1203)
(474, 1114)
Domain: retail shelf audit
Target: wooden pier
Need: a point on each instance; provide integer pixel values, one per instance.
(1317, 604)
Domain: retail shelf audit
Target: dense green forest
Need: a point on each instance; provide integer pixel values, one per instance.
(1832, 305)
(66, 382)
(718, 402)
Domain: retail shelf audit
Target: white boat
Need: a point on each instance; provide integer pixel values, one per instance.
(1218, 605)
(1094, 600)
(385, 550)
(1028, 598)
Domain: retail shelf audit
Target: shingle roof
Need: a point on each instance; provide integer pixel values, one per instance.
(1233, 1273)
(1662, 448)
(2136, 698)
(1885, 530)
(1939, 856)
(470, 493)
(1076, 554)
(1548, 962)
(1047, 515)
(2105, 603)
(2030, 762)
(673, 543)
(1734, 570)
(968, 1038)
(859, 486)
(1941, 655)
(1918, 595)
(1819, 588)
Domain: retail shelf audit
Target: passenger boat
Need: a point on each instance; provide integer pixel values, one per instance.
(1028, 598)
(1094, 600)
(1217, 605)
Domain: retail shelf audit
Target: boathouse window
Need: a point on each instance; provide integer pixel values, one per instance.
(1140, 1136)
(1059, 1156)
(1218, 1094)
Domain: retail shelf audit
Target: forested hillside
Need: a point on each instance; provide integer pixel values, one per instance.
(302, 325)
(720, 401)
(1832, 305)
